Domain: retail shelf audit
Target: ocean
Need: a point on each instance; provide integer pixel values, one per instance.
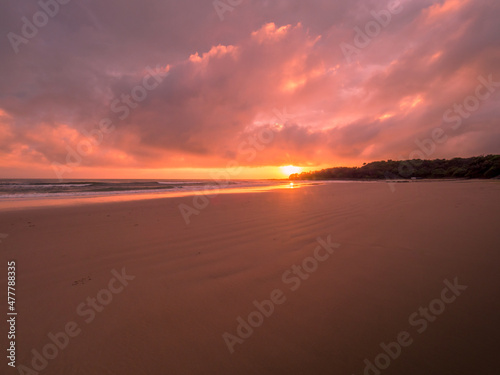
(14, 189)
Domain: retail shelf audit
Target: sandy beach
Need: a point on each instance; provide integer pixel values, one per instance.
(312, 280)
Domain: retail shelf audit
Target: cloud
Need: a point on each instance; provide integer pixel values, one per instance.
(226, 79)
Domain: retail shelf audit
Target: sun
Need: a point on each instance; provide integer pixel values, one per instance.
(290, 169)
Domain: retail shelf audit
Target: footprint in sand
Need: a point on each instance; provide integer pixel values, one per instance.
(82, 281)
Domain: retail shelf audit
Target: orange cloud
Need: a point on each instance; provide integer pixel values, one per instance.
(269, 32)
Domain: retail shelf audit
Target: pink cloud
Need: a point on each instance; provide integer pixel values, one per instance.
(225, 80)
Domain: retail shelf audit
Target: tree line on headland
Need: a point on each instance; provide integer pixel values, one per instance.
(475, 167)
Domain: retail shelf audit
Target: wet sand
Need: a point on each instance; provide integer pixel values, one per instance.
(136, 290)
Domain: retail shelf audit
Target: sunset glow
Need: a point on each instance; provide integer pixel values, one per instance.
(120, 99)
(241, 187)
(290, 169)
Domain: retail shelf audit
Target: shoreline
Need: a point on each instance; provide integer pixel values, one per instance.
(15, 204)
(10, 204)
(193, 283)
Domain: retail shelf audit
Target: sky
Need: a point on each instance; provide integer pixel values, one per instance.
(240, 88)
